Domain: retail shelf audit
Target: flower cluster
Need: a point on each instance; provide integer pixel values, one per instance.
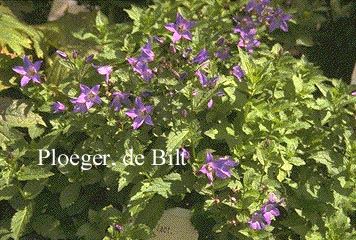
(264, 216)
(140, 63)
(259, 12)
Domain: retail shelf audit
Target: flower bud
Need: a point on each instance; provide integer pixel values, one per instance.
(63, 55)
(89, 58)
(75, 54)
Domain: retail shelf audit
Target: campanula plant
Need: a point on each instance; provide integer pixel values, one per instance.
(256, 143)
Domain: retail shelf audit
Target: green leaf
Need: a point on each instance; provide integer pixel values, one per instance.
(33, 188)
(298, 84)
(20, 220)
(296, 161)
(7, 192)
(211, 133)
(48, 227)
(18, 113)
(89, 231)
(176, 138)
(17, 35)
(135, 14)
(101, 20)
(33, 172)
(153, 211)
(69, 195)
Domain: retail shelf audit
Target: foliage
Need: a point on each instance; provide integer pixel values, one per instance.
(290, 129)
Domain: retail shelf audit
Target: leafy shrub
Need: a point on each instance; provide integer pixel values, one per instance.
(265, 135)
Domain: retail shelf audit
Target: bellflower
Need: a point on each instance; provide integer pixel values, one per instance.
(89, 58)
(147, 55)
(205, 82)
(270, 208)
(238, 72)
(181, 28)
(247, 40)
(185, 153)
(29, 71)
(58, 107)
(140, 114)
(118, 98)
(86, 99)
(220, 167)
(257, 221)
(105, 70)
(201, 57)
(264, 216)
(257, 6)
(278, 20)
(243, 24)
(141, 68)
(223, 53)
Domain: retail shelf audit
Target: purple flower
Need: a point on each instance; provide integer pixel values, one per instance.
(105, 70)
(140, 114)
(140, 64)
(353, 93)
(257, 6)
(186, 52)
(201, 57)
(118, 227)
(75, 54)
(29, 71)
(278, 20)
(238, 72)
(63, 55)
(158, 39)
(243, 24)
(265, 215)
(247, 40)
(223, 53)
(205, 82)
(181, 28)
(270, 209)
(86, 99)
(220, 167)
(185, 153)
(210, 103)
(147, 55)
(141, 68)
(118, 98)
(257, 221)
(89, 58)
(58, 107)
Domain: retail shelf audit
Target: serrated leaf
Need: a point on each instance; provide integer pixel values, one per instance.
(18, 113)
(153, 211)
(298, 84)
(211, 133)
(176, 138)
(135, 14)
(17, 35)
(69, 195)
(33, 188)
(7, 192)
(89, 231)
(296, 161)
(33, 172)
(49, 227)
(20, 220)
